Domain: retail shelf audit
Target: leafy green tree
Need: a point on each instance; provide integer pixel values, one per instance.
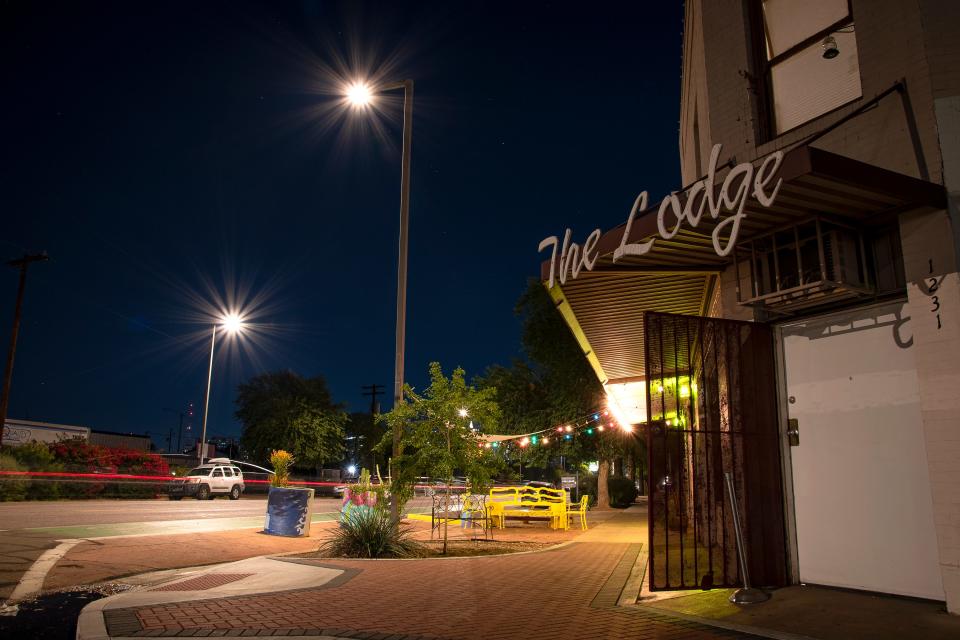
(554, 385)
(283, 410)
(436, 435)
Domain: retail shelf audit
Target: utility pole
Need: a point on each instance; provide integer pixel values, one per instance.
(22, 264)
(373, 390)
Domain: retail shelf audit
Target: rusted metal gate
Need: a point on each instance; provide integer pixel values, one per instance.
(711, 408)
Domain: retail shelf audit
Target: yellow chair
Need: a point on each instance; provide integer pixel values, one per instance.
(573, 509)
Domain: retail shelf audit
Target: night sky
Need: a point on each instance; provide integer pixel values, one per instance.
(179, 157)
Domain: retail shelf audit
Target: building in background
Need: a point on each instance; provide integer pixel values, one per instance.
(791, 316)
(114, 440)
(17, 432)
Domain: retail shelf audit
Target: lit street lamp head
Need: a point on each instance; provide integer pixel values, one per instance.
(359, 94)
(232, 323)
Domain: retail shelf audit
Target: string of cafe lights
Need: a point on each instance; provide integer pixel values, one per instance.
(594, 422)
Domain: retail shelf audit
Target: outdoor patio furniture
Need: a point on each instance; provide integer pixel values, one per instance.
(575, 509)
(527, 503)
(469, 510)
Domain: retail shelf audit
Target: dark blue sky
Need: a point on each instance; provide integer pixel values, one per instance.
(167, 154)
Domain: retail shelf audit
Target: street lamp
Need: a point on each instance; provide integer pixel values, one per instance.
(360, 95)
(232, 323)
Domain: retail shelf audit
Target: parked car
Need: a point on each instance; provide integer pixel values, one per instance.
(218, 477)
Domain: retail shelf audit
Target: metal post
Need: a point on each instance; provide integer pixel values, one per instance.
(402, 280)
(180, 435)
(202, 449)
(22, 263)
(746, 595)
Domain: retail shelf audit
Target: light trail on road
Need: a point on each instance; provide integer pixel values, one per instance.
(96, 518)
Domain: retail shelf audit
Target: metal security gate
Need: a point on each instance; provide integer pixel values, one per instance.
(711, 408)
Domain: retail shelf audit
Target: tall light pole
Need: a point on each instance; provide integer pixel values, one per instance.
(360, 95)
(22, 264)
(232, 323)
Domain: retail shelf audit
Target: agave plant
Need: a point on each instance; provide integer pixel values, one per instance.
(369, 533)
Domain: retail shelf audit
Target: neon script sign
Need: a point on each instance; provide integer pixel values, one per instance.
(734, 191)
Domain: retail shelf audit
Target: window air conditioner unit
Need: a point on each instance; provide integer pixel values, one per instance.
(842, 256)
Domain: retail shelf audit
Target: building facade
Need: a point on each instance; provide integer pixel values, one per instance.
(791, 316)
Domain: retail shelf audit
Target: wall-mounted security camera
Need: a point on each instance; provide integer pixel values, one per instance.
(830, 48)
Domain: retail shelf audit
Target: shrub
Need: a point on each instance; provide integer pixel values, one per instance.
(76, 456)
(622, 491)
(35, 456)
(12, 488)
(368, 533)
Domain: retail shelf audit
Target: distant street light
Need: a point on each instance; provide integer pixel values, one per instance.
(231, 323)
(360, 95)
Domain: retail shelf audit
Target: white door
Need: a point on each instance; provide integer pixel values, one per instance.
(218, 482)
(860, 479)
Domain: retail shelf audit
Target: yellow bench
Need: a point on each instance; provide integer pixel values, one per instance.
(528, 502)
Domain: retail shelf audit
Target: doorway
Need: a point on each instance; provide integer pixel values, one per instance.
(861, 488)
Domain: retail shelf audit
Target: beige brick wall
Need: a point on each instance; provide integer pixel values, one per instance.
(929, 257)
(913, 40)
(892, 45)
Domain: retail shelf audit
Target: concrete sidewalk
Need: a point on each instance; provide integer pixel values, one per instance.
(589, 587)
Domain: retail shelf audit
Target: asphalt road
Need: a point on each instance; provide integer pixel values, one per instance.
(70, 513)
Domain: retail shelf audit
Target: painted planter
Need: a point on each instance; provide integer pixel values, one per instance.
(356, 503)
(288, 511)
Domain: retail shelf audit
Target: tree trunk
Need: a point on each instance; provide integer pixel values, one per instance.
(603, 491)
(629, 466)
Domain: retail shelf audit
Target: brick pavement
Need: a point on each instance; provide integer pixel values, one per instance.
(570, 592)
(94, 561)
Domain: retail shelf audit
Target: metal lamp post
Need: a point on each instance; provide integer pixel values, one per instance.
(360, 95)
(232, 323)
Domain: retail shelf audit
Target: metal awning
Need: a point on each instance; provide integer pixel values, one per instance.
(604, 306)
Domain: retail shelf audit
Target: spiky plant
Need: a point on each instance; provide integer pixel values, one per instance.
(369, 533)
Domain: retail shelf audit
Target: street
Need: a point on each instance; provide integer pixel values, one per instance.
(32, 515)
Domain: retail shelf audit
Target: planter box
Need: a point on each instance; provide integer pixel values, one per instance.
(289, 511)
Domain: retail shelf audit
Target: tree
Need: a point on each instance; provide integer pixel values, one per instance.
(283, 410)
(554, 385)
(436, 435)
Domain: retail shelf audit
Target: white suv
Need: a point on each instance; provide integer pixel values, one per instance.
(217, 477)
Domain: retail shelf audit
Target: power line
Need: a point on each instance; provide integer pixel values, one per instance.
(373, 390)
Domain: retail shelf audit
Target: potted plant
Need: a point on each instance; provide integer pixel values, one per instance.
(289, 509)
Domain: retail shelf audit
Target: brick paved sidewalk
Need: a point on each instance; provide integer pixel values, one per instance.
(570, 592)
(94, 561)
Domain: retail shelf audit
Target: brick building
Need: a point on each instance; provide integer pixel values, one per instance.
(791, 316)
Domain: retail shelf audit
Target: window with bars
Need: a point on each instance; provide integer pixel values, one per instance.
(811, 64)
